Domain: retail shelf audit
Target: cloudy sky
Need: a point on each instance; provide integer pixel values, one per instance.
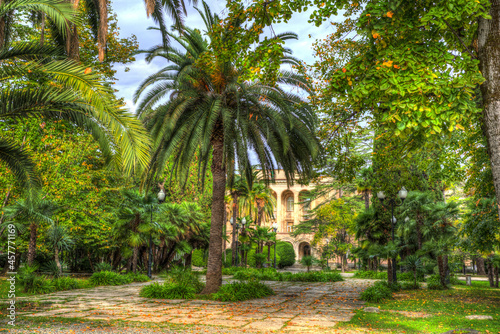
(132, 20)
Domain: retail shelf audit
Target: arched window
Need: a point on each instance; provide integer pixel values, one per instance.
(289, 203)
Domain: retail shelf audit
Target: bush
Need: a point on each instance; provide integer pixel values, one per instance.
(198, 259)
(434, 283)
(370, 274)
(66, 283)
(270, 274)
(185, 277)
(408, 276)
(51, 268)
(109, 278)
(286, 254)
(409, 285)
(377, 293)
(103, 266)
(259, 259)
(168, 291)
(240, 291)
(455, 281)
(137, 277)
(231, 270)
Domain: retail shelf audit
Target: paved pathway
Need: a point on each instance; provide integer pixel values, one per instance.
(296, 307)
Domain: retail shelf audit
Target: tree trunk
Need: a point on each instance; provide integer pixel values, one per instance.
(56, 259)
(442, 270)
(342, 263)
(389, 271)
(260, 211)
(214, 265)
(481, 270)
(32, 244)
(489, 65)
(188, 261)
(496, 277)
(235, 219)
(102, 32)
(269, 252)
(135, 257)
(446, 269)
(490, 273)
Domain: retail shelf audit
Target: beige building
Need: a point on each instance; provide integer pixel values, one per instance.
(292, 205)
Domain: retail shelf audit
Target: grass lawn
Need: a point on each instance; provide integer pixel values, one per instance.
(431, 311)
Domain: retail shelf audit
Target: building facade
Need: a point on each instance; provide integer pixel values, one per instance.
(292, 206)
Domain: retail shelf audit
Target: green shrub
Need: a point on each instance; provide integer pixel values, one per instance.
(434, 283)
(103, 266)
(242, 291)
(231, 270)
(51, 268)
(137, 277)
(408, 276)
(39, 285)
(377, 293)
(286, 254)
(270, 274)
(199, 259)
(371, 274)
(455, 281)
(185, 277)
(168, 291)
(409, 285)
(66, 283)
(109, 278)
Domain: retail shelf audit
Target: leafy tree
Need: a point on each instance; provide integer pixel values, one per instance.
(224, 117)
(413, 263)
(307, 261)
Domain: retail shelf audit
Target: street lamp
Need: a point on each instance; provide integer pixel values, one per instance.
(161, 198)
(392, 203)
(275, 229)
(235, 226)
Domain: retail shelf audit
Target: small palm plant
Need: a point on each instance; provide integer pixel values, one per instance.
(307, 261)
(60, 240)
(413, 263)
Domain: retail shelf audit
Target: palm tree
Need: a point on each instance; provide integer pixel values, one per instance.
(34, 212)
(212, 112)
(34, 83)
(364, 186)
(414, 263)
(60, 240)
(237, 189)
(134, 218)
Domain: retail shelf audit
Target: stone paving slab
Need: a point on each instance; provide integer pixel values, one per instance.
(297, 307)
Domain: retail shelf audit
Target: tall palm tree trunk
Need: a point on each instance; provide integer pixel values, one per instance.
(135, 256)
(32, 244)
(442, 269)
(488, 54)
(214, 265)
(389, 271)
(56, 259)
(367, 199)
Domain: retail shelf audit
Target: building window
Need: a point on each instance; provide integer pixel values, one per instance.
(289, 227)
(289, 203)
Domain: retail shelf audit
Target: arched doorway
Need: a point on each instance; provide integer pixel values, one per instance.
(304, 250)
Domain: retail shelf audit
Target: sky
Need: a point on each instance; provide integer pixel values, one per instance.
(132, 19)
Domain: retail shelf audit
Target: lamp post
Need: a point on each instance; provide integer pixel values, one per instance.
(235, 227)
(392, 203)
(275, 230)
(161, 198)
(243, 222)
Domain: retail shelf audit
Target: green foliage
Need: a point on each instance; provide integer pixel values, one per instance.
(270, 274)
(109, 278)
(184, 277)
(408, 276)
(371, 274)
(259, 258)
(51, 268)
(136, 277)
(232, 270)
(102, 266)
(377, 293)
(286, 254)
(239, 291)
(39, 285)
(198, 258)
(434, 283)
(66, 283)
(168, 291)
